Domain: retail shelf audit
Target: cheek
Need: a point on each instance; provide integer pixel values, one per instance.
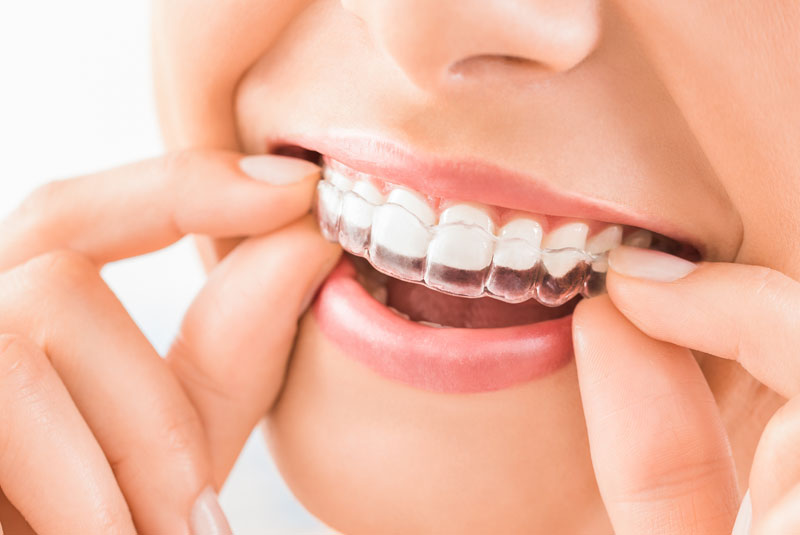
(344, 437)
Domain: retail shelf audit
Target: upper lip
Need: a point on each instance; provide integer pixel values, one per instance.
(476, 181)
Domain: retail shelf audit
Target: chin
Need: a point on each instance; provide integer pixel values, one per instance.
(432, 388)
(369, 454)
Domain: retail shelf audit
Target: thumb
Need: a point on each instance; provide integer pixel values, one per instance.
(237, 335)
(659, 450)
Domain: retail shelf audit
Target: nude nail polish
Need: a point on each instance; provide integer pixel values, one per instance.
(648, 264)
(207, 517)
(277, 170)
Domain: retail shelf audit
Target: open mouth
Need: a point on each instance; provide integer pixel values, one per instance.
(444, 270)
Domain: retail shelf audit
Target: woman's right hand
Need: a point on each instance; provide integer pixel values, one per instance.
(98, 433)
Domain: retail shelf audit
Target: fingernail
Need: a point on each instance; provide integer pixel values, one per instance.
(649, 265)
(207, 517)
(277, 170)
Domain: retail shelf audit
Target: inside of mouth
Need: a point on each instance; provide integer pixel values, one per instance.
(419, 303)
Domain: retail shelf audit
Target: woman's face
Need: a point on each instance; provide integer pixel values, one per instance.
(672, 115)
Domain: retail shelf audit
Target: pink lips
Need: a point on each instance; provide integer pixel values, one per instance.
(440, 360)
(473, 180)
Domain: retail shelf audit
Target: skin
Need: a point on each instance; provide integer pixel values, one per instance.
(686, 110)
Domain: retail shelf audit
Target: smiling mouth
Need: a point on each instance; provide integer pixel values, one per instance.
(506, 263)
(451, 294)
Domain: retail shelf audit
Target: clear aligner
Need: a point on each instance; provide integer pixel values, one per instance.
(459, 251)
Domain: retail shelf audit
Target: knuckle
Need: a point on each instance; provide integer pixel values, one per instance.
(45, 195)
(22, 368)
(774, 290)
(179, 164)
(180, 432)
(59, 269)
(35, 213)
(176, 436)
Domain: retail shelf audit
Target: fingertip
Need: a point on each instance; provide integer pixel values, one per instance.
(278, 170)
(591, 316)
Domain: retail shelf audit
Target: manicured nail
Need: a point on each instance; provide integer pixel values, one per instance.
(649, 265)
(207, 517)
(277, 170)
(744, 519)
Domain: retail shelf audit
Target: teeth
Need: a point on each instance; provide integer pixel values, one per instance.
(458, 258)
(516, 257)
(640, 238)
(433, 324)
(572, 238)
(336, 178)
(414, 203)
(358, 207)
(401, 314)
(399, 242)
(458, 249)
(468, 214)
(329, 206)
(605, 240)
(520, 241)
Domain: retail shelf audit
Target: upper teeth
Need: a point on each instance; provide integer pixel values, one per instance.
(458, 248)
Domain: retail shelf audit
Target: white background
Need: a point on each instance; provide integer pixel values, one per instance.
(76, 97)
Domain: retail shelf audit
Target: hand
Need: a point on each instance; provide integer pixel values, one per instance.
(661, 455)
(98, 433)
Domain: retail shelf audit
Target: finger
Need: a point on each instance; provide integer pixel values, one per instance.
(51, 468)
(231, 359)
(11, 519)
(135, 407)
(776, 465)
(149, 205)
(659, 450)
(783, 518)
(745, 313)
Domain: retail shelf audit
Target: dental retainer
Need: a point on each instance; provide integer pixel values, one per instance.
(456, 251)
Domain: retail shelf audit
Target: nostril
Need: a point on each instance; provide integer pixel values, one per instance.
(500, 67)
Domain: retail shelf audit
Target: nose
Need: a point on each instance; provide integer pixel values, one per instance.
(435, 40)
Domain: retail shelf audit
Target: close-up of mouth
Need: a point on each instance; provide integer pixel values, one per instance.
(453, 294)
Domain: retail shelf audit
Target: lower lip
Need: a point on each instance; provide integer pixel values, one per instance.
(439, 360)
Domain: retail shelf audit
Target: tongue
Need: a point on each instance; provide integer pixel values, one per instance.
(421, 303)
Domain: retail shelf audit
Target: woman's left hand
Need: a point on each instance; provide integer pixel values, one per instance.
(661, 454)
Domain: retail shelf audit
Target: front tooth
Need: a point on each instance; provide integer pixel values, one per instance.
(458, 258)
(518, 247)
(337, 179)
(368, 192)
(398, 243)
(358, 207)
(602, 242)
(572, 237)
(414, 203)
(605, 240)
(640, 238)
(523, 229)
(515, 259)
(468, 214)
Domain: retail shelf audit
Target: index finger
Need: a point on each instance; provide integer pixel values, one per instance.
(148, 205)
(659, 449)
(745, 313)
